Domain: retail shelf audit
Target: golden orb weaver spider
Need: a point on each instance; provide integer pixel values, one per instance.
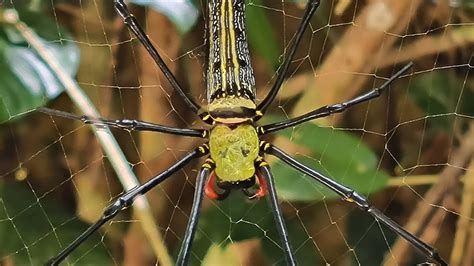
(235, 152)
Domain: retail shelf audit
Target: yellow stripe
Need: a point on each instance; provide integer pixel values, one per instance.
(210, 74)
(234, 48)
(266, 147)
(223, 43)
(261, 162)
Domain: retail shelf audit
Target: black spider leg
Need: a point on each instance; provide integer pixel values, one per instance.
(335, 108)
(185, 250)
(133, 25)
(310, 9)
(126, 200)
(349, 195)
(272, 197)
(128, 124)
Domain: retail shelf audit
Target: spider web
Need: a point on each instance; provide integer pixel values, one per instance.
(409, 151)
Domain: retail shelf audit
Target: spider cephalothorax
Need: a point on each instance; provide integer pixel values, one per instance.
(234, 151)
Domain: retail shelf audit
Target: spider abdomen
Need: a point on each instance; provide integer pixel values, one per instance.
(234, 151)
(230, 79)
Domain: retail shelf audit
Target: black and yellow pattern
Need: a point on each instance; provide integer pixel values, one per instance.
(231, 84)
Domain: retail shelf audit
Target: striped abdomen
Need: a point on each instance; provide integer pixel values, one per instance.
(230, 80)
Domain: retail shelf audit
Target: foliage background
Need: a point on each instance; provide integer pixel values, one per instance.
(410, 150)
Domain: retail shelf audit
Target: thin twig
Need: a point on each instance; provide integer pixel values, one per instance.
(415, 180)
(462, 229)
(462, 36)
(107, 141)
(469, 259)
(421, 47)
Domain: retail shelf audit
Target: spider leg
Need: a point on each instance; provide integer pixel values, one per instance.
(125, 201)
(133, 25)
(263, 171)
(335, 108)
(127, 124)
(199, 191)
(310, 9)
(349, 195)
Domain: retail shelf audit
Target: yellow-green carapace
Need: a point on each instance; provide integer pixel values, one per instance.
(234, 151)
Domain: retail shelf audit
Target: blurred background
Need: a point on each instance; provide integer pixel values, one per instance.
(410, 151)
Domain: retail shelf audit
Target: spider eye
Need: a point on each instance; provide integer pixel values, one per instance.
(245, 152)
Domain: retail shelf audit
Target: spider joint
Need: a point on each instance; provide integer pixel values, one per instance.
(206, 117)
(209, 164)
(114, 209)
(337, 108)
(126, 123)
(260, 162)
(264, 146)
(203, 149)
(354, 197)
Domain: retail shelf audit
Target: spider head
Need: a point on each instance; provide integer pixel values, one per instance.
(234, 150)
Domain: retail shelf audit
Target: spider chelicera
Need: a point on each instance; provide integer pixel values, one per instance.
(235, 153)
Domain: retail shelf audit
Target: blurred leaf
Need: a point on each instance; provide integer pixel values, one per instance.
(26, 81)
(31, 5)
(438, 93)
(335, 154)
(181, 12)
(236, 219)
(467, 98)
(219, 256)
(469, 4)
(32, 227)
(260, 33)
(369, 239)
(431, 92)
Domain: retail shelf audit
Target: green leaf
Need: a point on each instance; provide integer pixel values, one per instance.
(335, 154)
(438, 93)
(218, 256)
(182, 13)
(369, 239)
(469, 5)
(26, 81)
(260, 33)
(236, 219)
(31, 227)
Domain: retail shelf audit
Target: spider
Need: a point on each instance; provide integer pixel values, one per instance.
(235, 153)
